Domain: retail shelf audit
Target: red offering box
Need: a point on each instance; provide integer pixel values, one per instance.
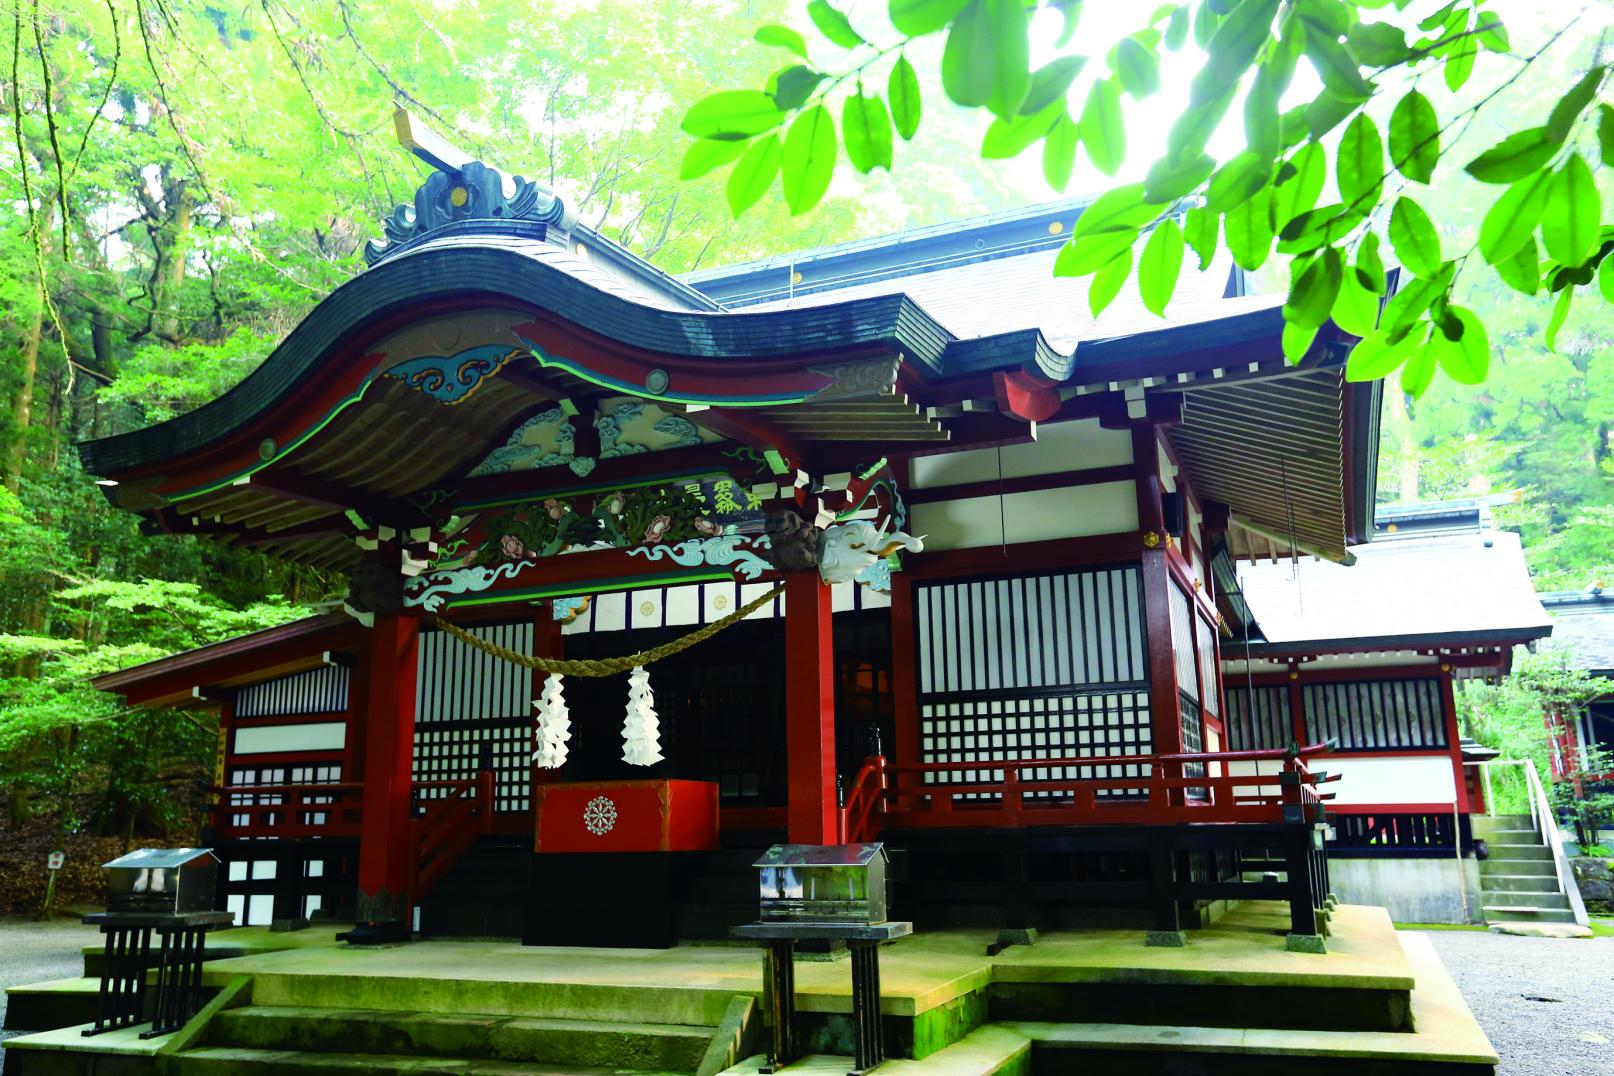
(627, 816)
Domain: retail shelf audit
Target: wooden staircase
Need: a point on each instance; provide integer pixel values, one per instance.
(1518, 881)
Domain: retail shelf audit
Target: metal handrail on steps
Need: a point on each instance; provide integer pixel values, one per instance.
(1544, 822)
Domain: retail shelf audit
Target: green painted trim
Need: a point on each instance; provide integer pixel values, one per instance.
(594, 586)
(283, 452)
(584, 373)
(531, 496)
(776, 461)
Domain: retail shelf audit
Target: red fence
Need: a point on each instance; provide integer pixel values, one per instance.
(1009, 792)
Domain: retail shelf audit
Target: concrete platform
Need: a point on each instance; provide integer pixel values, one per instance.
(1233, 990)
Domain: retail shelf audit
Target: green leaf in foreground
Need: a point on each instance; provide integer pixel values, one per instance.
(916, 17)
(732, 114)
(1515, 157)
(1160, 265)
(1413, 235)
(866, 127)
(754, 174)
(1059, 152)
(1137, 68)
(1466, 358)
(1316, 283)
(1569, 221)
(903, 90)
(1050, 82)
(808, 160)
(705, 154)
(1605, 133)
(1380, 355)
(1415, 137)
(782, 37)
(1107, 282)
(1560, 314)
(1009, 138)
(1249, 231)
(1200, 228)
(1360, 168)
(1089, 253)
(1102, 130)
(1521, 270)
(1419, 370)
(833, 24)
(1514, 216)
(1356, 308)
(794, 85)
(987, 58)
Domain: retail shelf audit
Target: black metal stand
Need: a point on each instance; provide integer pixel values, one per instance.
(779, 985)
(129, 958)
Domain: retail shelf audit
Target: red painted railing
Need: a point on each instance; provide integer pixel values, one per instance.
(450, 824)
(861, 818)
(289, 811)
(444, 828)
(1011, 795)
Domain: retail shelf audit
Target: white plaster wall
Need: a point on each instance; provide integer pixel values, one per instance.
(1426, 779)
(1423, 779)
(264, 739)
(1034, 516)
(1081, 445)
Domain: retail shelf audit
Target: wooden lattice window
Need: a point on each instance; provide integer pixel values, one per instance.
(1377, 715)
(1034, 666)
(1258, 719)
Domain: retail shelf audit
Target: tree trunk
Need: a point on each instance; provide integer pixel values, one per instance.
(22, 408)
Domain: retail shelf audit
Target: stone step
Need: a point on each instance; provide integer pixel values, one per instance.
(986, 1051)
(1519, 883)
(618, 1044)
(1524, 900)
(1495, 913)
(237, 1061)
(1541, 868)
(1519, 851)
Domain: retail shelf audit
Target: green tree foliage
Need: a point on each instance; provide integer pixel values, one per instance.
(1509, 716)
(184, 181)
(1544, 229)
(1353, 135)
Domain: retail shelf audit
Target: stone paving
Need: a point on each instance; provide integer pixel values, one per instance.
(1547, 1004)
(35, 952)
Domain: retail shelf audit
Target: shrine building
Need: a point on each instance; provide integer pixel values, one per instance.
(985, 546)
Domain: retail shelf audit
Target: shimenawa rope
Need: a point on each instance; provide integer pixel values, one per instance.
(608, 666)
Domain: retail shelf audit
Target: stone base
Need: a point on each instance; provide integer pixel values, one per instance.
(1542, 930)
(1017, 936)
(1305, 943)
(1165, 939)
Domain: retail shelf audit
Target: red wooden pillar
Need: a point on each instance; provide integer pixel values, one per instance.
(810, 709)
(904, 673)
(1166, 720)
(1454, 745)
(386, 681)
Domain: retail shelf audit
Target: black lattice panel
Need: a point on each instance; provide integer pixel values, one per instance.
(452, 751)
(1067, 725)
(311, 774)
(1374, 715)
(1258, 719)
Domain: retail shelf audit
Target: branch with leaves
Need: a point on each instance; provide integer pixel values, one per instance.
(1545, 229)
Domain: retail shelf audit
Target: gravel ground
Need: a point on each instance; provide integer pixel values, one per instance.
(34, 952)
(1547, 1004)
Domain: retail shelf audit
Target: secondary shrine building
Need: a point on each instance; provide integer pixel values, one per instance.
(983, 541)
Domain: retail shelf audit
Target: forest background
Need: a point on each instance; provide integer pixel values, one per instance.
(189, 177)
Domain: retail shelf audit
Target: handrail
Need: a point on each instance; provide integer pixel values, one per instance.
(864, 801)
(1545, 823)
(1263, 755)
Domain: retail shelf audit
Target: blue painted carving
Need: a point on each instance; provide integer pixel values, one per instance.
(877, 576)
(450, 379)
(474, 193)
(718, 551)
(684, 432)
(513, 455)
(610, 427)
(429, 591)
(566, 610)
